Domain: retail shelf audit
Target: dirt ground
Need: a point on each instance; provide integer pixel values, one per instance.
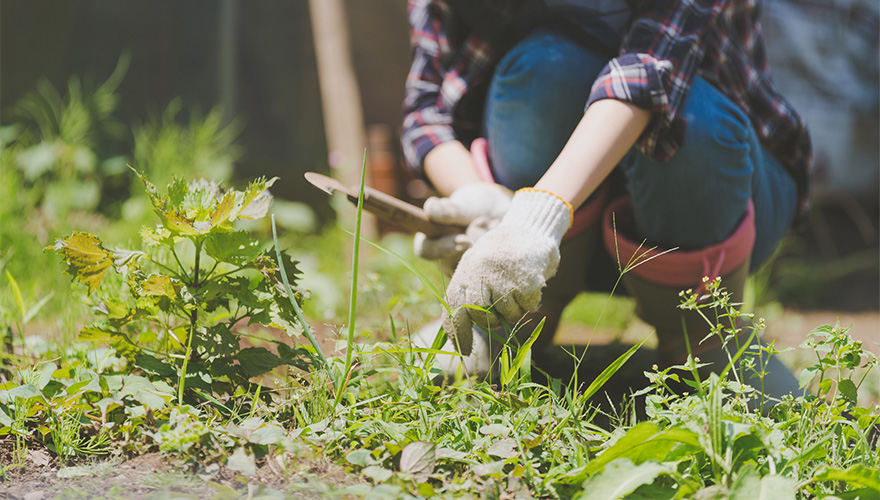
(157, 477)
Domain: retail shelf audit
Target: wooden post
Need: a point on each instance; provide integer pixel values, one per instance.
(340, 99)
(340, 96)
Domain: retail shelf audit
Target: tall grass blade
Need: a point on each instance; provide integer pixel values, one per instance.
(612, 369)
(299, 315)
(352, 307)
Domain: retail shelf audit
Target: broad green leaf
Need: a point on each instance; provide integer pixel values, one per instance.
(87, 259)
(749, 486)
(377, 474)
(362, 458)
(177, 190)
(154, 365)
(807, 376)
(857, 475)
(257, 360)
(644, 442)
(45, 375)
(620, 478)
(235, 247)
(267, 434)
(495, 430)
(5, 419)
(418, 458)
(144, 392)
(26, 391)
(243, 462)
(848, 390)
(488, 469)
(83, 386)
(503, 448)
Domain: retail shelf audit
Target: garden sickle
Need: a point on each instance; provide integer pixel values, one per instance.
(388, 208)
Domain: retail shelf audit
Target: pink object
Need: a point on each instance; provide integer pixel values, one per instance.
(684, 268)
(480, 154)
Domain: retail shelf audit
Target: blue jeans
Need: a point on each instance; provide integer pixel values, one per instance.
(694, 200)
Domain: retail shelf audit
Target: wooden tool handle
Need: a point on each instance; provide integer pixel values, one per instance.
(402, 214)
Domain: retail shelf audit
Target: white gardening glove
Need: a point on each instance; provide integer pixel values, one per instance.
(508, 266)
(478, 207)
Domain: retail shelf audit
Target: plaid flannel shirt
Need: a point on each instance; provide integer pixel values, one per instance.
(667, 44)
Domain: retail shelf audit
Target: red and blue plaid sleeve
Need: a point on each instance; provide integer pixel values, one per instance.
(427, 119)
(656, 66)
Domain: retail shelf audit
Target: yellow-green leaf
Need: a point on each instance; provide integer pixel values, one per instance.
(87, 259)
(224, 209)
(157, 285)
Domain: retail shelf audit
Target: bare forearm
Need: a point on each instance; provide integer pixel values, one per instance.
(606, 132)
(450, 166)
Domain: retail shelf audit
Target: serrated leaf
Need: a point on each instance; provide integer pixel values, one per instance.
(223, 210)
(177, 190)
(158, 285)
(200, 200)
(86, 258)
(159, 235)
(620, 478)
(418, 458)
(256, 200)
(235, 247)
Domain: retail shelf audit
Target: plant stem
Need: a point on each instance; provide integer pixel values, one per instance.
(354, 277)
(193, 320)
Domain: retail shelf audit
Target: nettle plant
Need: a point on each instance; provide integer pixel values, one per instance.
(177, 307)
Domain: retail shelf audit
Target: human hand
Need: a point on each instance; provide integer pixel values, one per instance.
(478, 207)
(509, 265)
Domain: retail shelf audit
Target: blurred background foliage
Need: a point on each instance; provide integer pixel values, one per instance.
(229, 90)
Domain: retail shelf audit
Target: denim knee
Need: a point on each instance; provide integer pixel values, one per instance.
(535, 100)
(698, 197)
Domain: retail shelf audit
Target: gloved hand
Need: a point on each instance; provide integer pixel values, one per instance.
(478, 207)
(508, 266)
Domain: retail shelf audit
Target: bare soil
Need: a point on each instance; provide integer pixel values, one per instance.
(155, 476)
